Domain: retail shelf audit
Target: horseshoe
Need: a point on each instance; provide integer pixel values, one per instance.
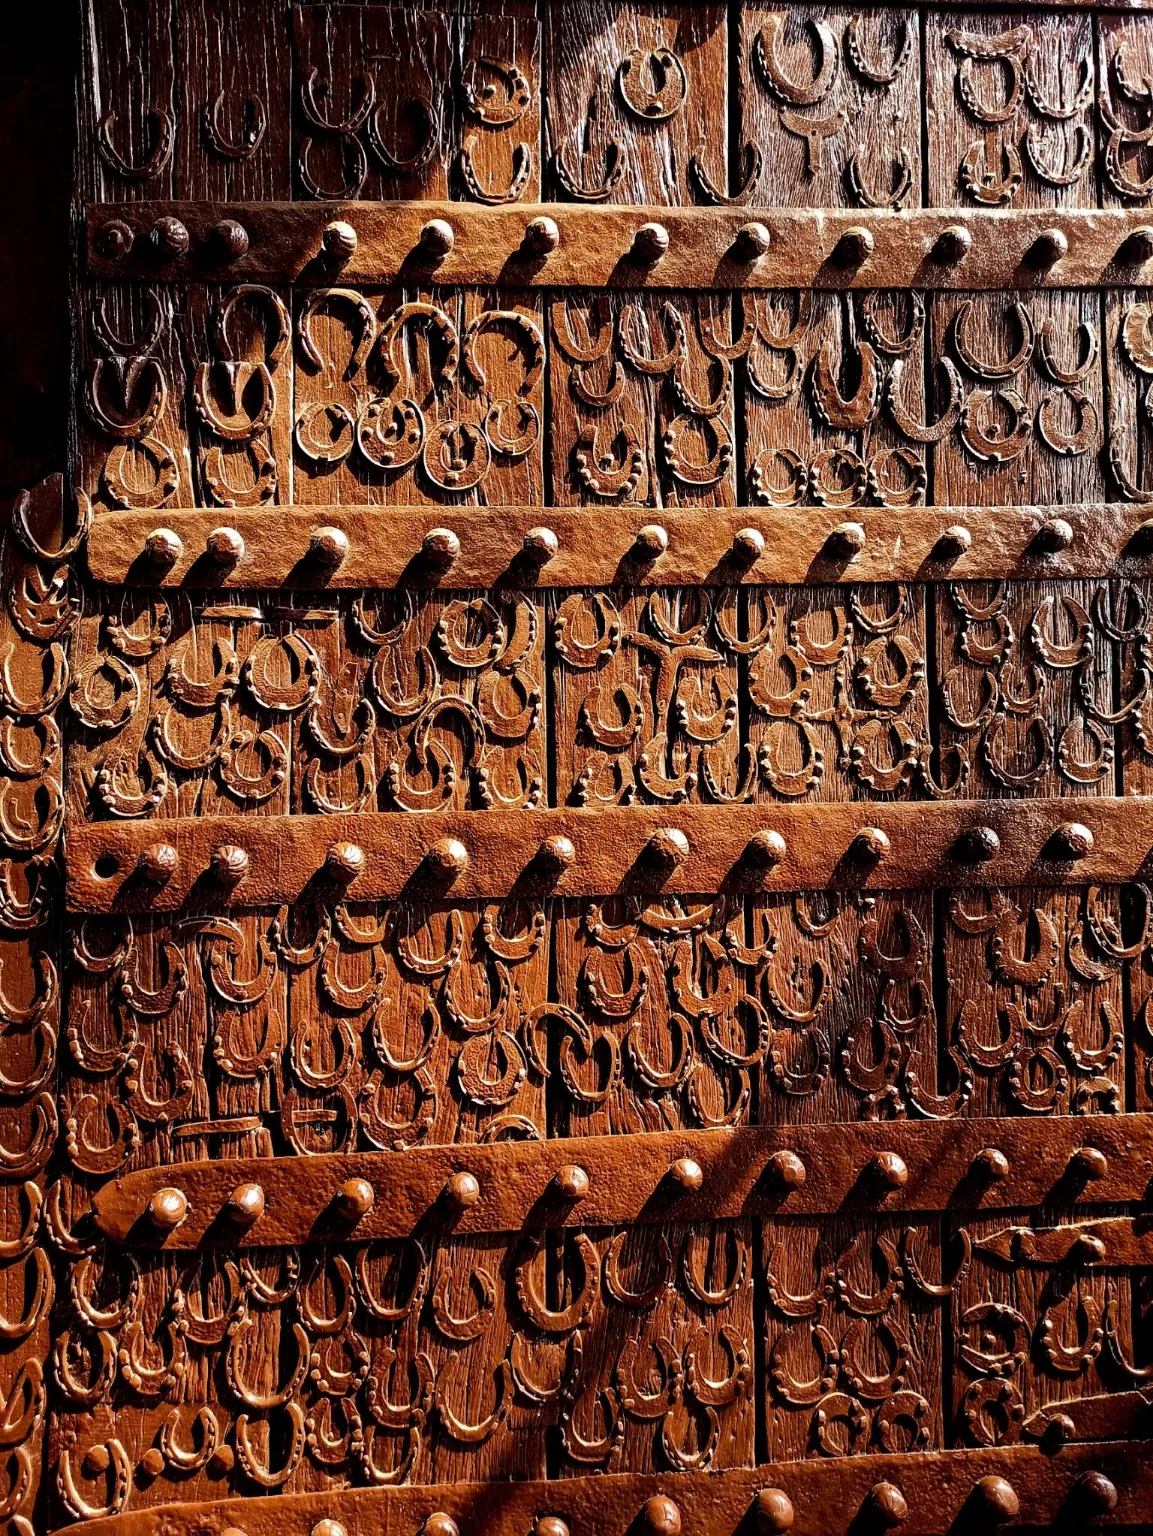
(715, 467)
(579, 1309)
(803, 1394)
(255, 119)
(858, 410)
(988, 369)
(647, 1406)
(697, 1283)
(649, 1296)
(265, 1474)
(355, 179)
(614, 169)
(667, 94)
(876, 74)
(482, 102)
(987, 186)
(364, 313)
(751, 163)
(119, 1479)
(1038, 159)
(1014, 968)
(798, 93)
(1087, 348)
(599, 474)
(1059, 111)
(399, 1416)
(159, 157)
(1006, 447)
(873, 1303)
(469, 1326)
(427, 140)
(897, 194)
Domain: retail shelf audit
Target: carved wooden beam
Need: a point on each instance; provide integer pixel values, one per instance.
(562, 245)
(340, 547)
(249, 861)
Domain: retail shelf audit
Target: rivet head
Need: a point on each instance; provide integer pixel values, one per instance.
(328, 1527)
(96, 1460)
(650, 242)
(557, 853)
(846, 540)
(448, 856)
(1050, 246)
(345, 861)
(550, 1525)
(651, 540)
(666, 849)
(1089, 1164)
(462, 1190)
(661, 1516)
(158, 862)
(998, 1496)
(955, 541)
(1058, 1431)
(765, 849)
(354, 1199)
(870, 845)
(542, 235)
(220, 1463)
(225, 546)
(886, 1503)
(786, 1170)
(751, 241)
(854, 247)
(749, 545)
(572, 1181)
(329, 546)
(229, 864)
(339, 241)
(230, 239)
(1053, 537)
(1073, 840)
(113, 239)
(440, 546)
(169, 237)
(163, 547)
(992, 1164)
(686, 1174)
(1141, 539)
(152, 1462)
(438, 237)
(1095, 1493)
(1138, 245)
(774, 1511)
(953, 243)
(978, 845)
(168, 1208)
(246, 1203)
(541, 544)
(890, 1170)
(440, 1524)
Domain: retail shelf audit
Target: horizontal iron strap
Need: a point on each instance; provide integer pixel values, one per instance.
(598, 247)
(229, 862)
(338, 547)
(804, 1170)
(944, 1491)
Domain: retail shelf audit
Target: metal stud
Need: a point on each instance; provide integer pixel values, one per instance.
(329, 546)
(953, 244)
(354, 1199)
(1089, 1164)
(163, 547)
(246, 1204)
(773, 1511)
(225, 546)
(749, 545)
(96, 1460)
(992, 1164)
(462, 1190)
(328, 1527)
(1072, 840)
(230, 238)
(1141, 539)
(113, 240)
(1095, 1494)
(158, 862)
(751, 242)
(572, 1181)
(1050, 246)
(661, 1516)
(550, 1525)
(1137, 246)
(954, 542)
(229, 864)
(650, 243)
(764, 849)
(886, 1506)
(339, 241)
(556, 853)
(854, 247)
(438, 237)
(542, 235)
(448, 857)
(541, 545)
(440, 546)
(169, 237)
(870, 845)
(998, 1497)
(345, 861)
(1053, 537)
(440, 1524)
(978, 845)
(846, 540)
(168, 1208)
(666, 849)
(152, 1462)
(686, 1174)
(890, 1170)
(786, 1170)
(651, 540)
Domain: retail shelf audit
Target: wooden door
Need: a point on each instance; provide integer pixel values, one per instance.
(577, 936)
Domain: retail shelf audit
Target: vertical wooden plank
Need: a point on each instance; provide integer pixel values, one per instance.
(498, 105)
(1124, 56)
(128, 105)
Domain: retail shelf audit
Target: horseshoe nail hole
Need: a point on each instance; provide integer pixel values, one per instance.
(106, 866)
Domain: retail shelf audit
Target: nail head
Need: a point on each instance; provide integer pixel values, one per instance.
(339, 241)
(572, 1181)
(650, 242)
(542, 235)
(329, 546)
(229, 863)
(158, 862)
(354, 1199)
(978, 845)
(749, 544)
(953, 243)
(438, 237)
(230, 238)
(787, 1170)
(169, 236)
(541, 544)
(463, 1190)
(774, 1512)
(168, 1208)
(992, 1164)
(687, 1174)
(1089, 1164)
(225, 545)
(661, 1516)
(345, 861)
(246, 1203)
(652, 540)
(752, 241)
(163, 547)
(999, 1497)
(441, 546)
(890, 1170)
(448, 856)
(1073, 840)
(114, 239)
(870, 845)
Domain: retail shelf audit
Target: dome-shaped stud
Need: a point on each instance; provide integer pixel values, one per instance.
(660, 1516)
(651, 541)
(1057, 1432)
(344, 862)
(764, 850)
(542, 235)
(1050, 247)
(992, 1165)
(954, 542)
(230, 239)
(163, 547)
(440, 547)
(339, 241)
(556, 853)
(650, 243)
(96, 1460)
(229, 864)
(169, 237)
(845, 541)
(167, 1208)
(786, 1170)
(1087, 1249)
(1141, 539)
(158, 862)
(152, 1462)
(854, 247)
(1072, 840)
(686, 1175)
(998, 1498)
(225, 546)
(437, 238)
(328, 1527)
(113, 240)
(245, 1205)
(1095, 1494)
(572, 1181)
(885, 1506)
(1137, 246)
(889, 1170)
(448, 857)
(870, 845)
(953, 244)
(977, 845)
(328, 546)
(748, 545)
(1089, 1164)
(220, 1463)
(666, 849)
(751, 241)
(541, 545)
(354, 1199)
(550, 1525)
(1053, 537)
(440, 1524)
(773, 1512)
(462, 1190)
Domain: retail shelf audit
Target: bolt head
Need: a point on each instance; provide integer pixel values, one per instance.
(846, 540)
(229, 864)
(345, 861)
(339, 241)
(687, 1175)
(169, 237)
(440, 1524)
(168, 1208)
(765, 849)
(550, 1525)
(448, 857)
(787, 1170)
(651, 541)
(667, 848)
(1073, 840)
(246, 1203)
(854, 247)
(870, 845)
(774, 1512)
(572, 1181)
(953, 244)
(557, 853)
(1095, 1493)
(225, 546)
(113, 239)
(887, 1505)
(978, 845)
(354, 1199)
(438, 237)
(440, 546)
(163, 547)
(542, 235)
(158, 862)
(891, 1170)
(1138, 246)
(329, 546)
(650, 242)
(97, 1459)
(752, 241)
(328, 1527)
(152, 1462)
(1053, 537)
(463, 1190)
(999, 1497)
(1089, 1164)
(749, 545)
(661, 1516)
(1050, 246)
(230, 239)
(955, 541)
(992, 1164)
(541, 544)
